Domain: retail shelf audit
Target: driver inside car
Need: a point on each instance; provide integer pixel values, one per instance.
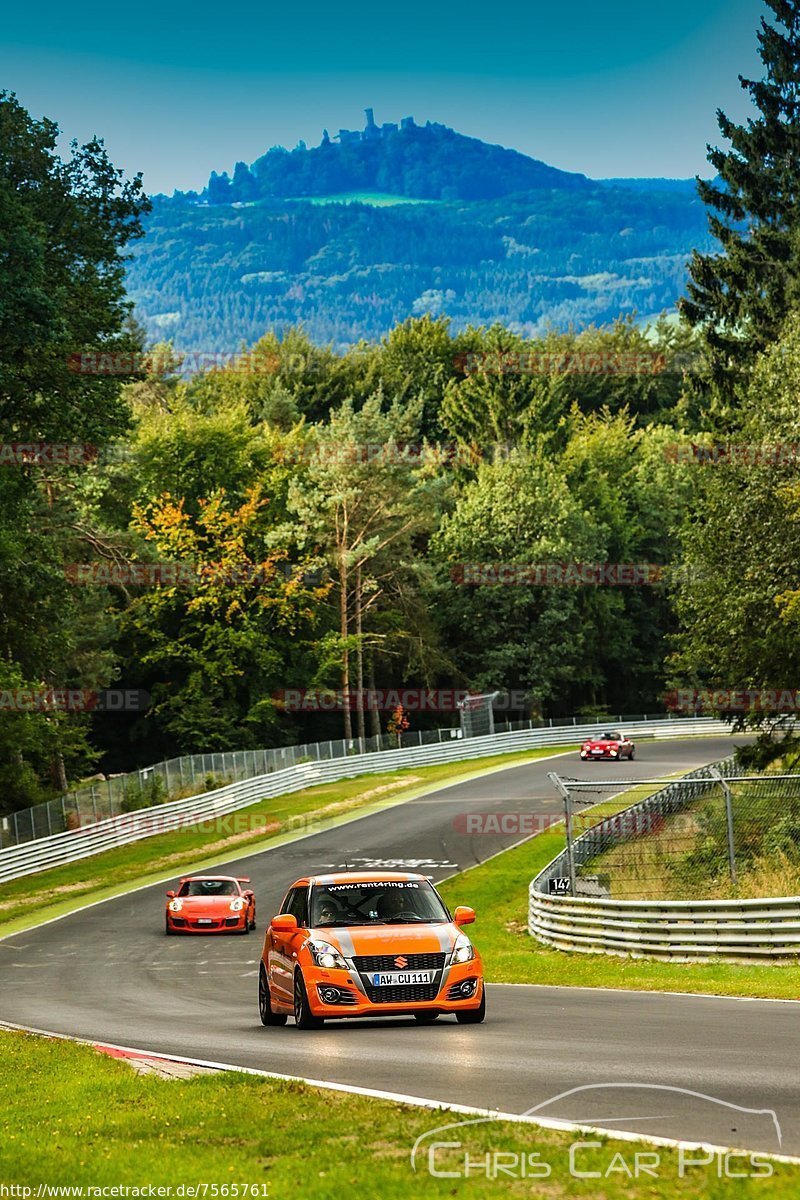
(329, 913)
(392, 903)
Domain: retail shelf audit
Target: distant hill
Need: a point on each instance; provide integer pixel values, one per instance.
(686, 186)
(349, 255)
(424, 162)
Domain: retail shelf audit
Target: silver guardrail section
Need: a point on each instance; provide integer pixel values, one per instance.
(677, 930)
(107, 834)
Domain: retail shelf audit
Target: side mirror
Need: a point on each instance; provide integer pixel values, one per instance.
(285, 923)
(170, 895)
(249, 894)
(464, 915)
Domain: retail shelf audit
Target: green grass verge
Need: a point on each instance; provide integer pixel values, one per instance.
(35, 898)
(73, 1118)
(498, 891)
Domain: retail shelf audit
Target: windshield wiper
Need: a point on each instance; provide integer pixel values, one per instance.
(403, 921)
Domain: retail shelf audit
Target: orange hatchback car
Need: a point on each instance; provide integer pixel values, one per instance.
(368, 945)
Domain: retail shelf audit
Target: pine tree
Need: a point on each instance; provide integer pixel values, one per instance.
(741, 296)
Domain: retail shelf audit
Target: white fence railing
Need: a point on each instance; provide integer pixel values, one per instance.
(678, 930)
(76, 844)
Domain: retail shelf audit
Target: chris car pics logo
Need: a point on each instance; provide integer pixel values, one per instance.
(469, 1148)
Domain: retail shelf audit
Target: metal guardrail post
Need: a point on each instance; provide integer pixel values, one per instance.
(557, 783)
(715, 773)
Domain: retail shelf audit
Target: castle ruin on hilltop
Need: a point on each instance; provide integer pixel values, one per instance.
(370, 133)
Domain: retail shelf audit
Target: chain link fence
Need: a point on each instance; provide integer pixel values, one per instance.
(715, 834)
(189, 775)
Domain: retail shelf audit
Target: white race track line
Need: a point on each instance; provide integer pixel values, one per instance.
(402, 1098)
(580, 987)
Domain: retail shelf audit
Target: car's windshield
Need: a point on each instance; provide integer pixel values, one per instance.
(383, 902)
(611, 737)
(208, 888)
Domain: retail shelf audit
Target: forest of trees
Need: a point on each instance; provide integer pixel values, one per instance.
(211, 278)
(415, 511)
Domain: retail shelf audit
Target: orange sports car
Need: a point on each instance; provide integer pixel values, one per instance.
(211, 904)
(363, 944)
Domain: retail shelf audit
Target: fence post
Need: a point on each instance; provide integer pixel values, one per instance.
(556, 781)
(715, 774)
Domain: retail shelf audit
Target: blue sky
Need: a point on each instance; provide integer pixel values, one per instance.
(178, 90)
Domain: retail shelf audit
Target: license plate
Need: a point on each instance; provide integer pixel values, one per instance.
(398, 978)
(205, 921)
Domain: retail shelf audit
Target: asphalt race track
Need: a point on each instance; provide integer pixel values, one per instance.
(108, 973)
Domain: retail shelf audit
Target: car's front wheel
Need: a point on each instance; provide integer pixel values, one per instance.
(473, 1016)
(168, 930)
(265, 1009)
(303, 1016)
(632, 754)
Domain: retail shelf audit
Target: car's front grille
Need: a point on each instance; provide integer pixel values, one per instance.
(199, 924)
(387, 962)
(407, 993)
(178, 921)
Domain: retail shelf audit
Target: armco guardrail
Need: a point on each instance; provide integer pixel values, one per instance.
(679, 930)
(132, 827)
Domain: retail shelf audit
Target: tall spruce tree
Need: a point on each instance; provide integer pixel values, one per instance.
(741, 296)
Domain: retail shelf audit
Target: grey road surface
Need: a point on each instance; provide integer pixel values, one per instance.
(674, 1066)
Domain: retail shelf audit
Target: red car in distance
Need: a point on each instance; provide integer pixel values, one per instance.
(211, 904)
(613, 745)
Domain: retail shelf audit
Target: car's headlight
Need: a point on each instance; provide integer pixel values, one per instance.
(237, 905)
(463, 950)
(175, 905)
(326, 955)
